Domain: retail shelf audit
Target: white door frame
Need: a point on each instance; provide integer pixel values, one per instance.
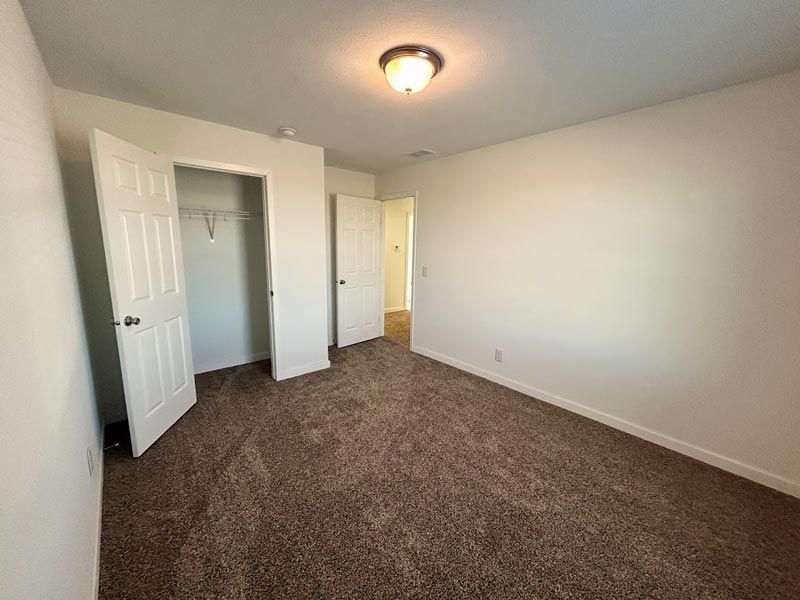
(408, 268)
(398, 196)
(381, 313)
(268, 209)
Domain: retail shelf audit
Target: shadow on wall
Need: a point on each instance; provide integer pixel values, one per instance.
(90, 262)
(256, 265)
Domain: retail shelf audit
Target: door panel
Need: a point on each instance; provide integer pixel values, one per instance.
(159, 185)
(368, 247)
(349, 303)
(136, 253)
(127, 175)
(135, 192)
(359, 260)
(165, 242)
(177, 353)
(148, 349)
(350, 251)
(370, 302)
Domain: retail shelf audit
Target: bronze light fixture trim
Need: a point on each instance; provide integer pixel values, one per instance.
(410, 68)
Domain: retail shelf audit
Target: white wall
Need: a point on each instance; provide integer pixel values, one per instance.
(226, 282)
(298, 190)
(640, 269)
(352, 183)
(394, 218)
(49, 504)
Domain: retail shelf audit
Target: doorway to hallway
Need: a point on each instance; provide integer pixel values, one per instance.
(398, 238)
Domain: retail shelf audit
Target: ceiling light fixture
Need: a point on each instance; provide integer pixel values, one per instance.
(410, 69)
(287, 131)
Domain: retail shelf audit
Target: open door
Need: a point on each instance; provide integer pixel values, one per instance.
(139, 216)
(359, 270)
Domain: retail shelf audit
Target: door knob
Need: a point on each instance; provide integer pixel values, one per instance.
(129, 320)
(342, 282)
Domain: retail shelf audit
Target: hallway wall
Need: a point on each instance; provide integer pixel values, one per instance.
(395, 230)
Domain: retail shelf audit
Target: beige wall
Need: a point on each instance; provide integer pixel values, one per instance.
(640, 269)
(49, 502)
(395, 212)
(352, 183)
(299, 208)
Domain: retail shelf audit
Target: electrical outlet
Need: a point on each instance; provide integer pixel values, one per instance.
(424, 271)
(498, 355)
(90, 461)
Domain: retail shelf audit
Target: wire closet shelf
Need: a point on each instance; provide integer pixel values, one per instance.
(212, 215)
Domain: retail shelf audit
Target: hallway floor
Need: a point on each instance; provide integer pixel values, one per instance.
(394, 476)
(397, 327)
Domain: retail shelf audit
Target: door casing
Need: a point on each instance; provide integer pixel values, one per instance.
(397, 196)
(268, 209)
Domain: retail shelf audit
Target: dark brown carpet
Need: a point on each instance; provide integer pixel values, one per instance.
(397, 327)
(393, 476)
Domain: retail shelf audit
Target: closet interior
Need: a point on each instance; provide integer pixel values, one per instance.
(225, 250)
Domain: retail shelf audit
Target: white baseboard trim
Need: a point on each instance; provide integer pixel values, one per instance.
(394, 309)
(230, 362)
(707, 456)
(100, 464)
(302, 370)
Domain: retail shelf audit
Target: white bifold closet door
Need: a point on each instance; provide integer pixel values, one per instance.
(139, 216)
(359, 270)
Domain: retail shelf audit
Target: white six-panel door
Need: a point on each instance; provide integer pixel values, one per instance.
(359, 272)
(139, 215)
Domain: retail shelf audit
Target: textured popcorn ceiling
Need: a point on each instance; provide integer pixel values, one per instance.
(512, 68)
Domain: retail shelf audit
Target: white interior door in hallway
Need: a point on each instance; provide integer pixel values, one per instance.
(359, 270)
(139, 216)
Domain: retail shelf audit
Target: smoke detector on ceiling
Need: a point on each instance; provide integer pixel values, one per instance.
(422, 152)
(287, 131)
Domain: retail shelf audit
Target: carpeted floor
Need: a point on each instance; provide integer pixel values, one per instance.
(397, 327)
(393, 476)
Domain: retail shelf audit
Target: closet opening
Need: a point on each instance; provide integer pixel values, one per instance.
(225, 241)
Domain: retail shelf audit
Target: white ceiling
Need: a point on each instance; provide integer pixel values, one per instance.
(512, 68)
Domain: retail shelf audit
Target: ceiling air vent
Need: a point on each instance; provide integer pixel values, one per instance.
(421, 152)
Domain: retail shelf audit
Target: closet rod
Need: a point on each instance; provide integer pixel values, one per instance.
(226, 215)
(210, 216)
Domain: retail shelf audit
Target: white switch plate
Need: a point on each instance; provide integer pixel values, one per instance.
(498, 355)
(424, 271)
